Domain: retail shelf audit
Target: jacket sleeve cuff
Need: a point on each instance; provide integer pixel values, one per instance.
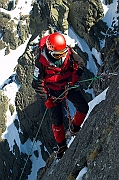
(79, 72)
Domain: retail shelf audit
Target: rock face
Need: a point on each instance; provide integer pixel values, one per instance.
(95, 145)
(3, 110)
(13, 34)
(85, 17)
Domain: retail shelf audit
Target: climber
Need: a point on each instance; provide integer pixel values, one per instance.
(57, 67)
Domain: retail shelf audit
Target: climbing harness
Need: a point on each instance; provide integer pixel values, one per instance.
(103, 77)
(61, 97)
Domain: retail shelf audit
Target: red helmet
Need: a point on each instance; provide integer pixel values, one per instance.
(56, 42)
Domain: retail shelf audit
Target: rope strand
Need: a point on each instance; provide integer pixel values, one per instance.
(33, 144)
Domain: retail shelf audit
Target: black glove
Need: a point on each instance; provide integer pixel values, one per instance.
(79, 72)
(40, 90)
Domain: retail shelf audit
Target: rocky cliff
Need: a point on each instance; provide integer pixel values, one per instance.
(96, 145)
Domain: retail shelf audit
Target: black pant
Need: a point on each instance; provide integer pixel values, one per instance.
(76, 97)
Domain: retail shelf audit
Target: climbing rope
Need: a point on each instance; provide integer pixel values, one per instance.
(33, 143)
(102, 76)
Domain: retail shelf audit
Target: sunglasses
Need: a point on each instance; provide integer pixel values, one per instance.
(59, 54)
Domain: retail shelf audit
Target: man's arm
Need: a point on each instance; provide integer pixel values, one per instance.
(38, 80)
(78, 66)
(81, 64)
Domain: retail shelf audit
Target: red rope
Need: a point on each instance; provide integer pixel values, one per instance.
(68, 111)
(67, 107)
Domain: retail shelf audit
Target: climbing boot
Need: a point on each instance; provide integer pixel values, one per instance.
(74, 129)
(61, 148)
(76, 123)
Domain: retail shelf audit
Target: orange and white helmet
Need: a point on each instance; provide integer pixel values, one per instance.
(56, 43)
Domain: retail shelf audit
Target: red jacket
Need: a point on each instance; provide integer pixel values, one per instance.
(52, 77)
